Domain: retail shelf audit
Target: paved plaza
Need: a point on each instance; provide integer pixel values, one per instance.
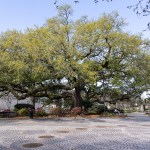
(131, 133)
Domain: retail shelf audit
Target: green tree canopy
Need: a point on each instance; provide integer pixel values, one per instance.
(64, 58)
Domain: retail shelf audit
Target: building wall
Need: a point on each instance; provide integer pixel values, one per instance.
(8, 102)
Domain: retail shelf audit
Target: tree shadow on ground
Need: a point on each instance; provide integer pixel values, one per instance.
(138, 119)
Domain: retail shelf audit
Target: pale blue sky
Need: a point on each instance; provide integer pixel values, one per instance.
(20, 14)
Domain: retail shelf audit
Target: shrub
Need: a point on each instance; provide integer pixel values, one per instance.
(16, 111)
(20, 106)
(40, 112)
(68, 103)
(97, 109)
(76, 111)
(58, 111)
(87, 104)
(113, 111)
(108, 114)
(128, 111)
(22, 112)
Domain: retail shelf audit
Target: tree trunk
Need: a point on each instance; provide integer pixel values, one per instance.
(33, 101)
(77, 97)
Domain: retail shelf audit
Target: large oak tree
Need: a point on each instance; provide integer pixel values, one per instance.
(64, 59)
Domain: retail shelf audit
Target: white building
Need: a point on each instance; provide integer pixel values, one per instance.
(9, 101)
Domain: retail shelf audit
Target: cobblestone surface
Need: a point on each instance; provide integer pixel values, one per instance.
(131, 133)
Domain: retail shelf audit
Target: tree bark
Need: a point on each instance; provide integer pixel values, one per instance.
(77, 96)
(33, 101)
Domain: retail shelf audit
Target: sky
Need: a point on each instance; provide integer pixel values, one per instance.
(21, 14)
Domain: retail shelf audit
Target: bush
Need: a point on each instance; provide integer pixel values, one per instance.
(97, 109)
(87, 104)
(22, 112)
(128, 111)
(76, 111)
(108, 114)
(40, 112)
(58, 111)
(20, 106)
(16, 111)
(113, 111)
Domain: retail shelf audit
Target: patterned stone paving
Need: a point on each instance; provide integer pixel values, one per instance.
(132, 133)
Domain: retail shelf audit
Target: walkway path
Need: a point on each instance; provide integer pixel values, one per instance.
(131, 133)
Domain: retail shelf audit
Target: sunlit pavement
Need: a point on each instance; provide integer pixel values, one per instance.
(131, 133)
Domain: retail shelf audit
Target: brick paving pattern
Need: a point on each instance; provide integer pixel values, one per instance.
(131, 133)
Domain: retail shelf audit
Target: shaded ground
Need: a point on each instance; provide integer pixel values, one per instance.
(131, 133)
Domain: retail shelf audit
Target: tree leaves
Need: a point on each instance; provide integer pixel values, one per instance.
(81, 53)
